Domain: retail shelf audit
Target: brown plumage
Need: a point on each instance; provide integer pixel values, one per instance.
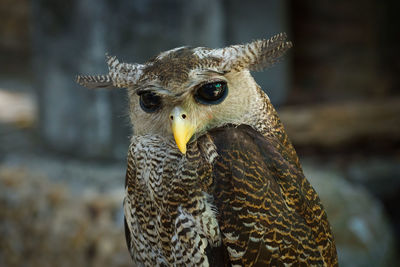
(212, 177)
(267, 204)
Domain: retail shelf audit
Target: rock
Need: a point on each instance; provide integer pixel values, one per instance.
(43, 223)
(363, 234)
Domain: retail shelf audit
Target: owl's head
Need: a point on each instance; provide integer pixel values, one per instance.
(185, 91)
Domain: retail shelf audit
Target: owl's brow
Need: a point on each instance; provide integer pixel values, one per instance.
(158, 90)
(208, 71)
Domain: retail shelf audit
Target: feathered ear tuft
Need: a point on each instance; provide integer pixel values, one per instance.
(95, 81)
(269, 51)
(256, 55)
(121, 75)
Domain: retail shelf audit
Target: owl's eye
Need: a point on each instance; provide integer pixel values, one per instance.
(211, 93)
(149, 101)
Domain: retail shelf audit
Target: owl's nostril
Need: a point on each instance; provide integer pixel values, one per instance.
(183, 116)
(171, 117)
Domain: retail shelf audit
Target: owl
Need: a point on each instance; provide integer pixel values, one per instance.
(212, 178)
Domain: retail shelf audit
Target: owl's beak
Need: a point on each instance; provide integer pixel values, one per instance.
(182, 127)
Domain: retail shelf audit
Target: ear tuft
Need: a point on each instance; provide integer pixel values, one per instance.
(256, 55)
(269, 51)
(121, 75)
(95, 81)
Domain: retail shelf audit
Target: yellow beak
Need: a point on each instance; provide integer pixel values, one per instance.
(182, 128)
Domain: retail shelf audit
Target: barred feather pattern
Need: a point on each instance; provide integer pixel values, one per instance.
(169, 215)
(176, 204)
(238, 197)
(94, 81)
(235, 188)
(123, 75)
(268, 123)
(256, 55)
(269, 215)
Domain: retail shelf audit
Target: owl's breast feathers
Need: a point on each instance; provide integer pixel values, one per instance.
(247, 206)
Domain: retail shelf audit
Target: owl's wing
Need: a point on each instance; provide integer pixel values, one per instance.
(130, 179)
(268, 212)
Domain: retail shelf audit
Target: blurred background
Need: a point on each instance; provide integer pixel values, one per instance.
(63, 147)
